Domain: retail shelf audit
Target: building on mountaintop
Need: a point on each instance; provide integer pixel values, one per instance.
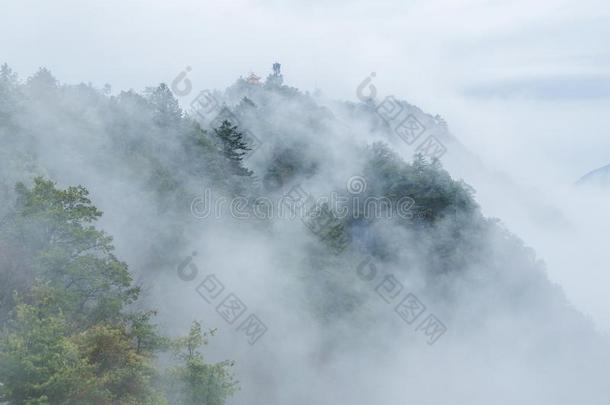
(253, 79)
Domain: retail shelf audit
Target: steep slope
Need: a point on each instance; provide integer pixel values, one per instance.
(393, 270)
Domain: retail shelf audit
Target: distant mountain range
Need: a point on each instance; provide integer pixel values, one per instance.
(599, 177)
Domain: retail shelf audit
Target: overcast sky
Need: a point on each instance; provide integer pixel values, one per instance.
(523, 84)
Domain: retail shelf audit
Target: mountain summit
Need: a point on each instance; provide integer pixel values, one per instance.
(598, 177)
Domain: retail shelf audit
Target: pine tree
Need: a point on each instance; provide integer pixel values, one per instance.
(167, 111)
(8, 78)
(196, 382)
(67, 333)
(9, 97)
(234, 147)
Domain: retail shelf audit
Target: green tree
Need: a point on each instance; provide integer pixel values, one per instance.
(68, 335)
(44, 359)
(52, 230)
(10, 101)
(234, 147)
(167, 111)
(196, 382)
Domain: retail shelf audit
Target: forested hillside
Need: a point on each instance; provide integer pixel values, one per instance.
(103, 195)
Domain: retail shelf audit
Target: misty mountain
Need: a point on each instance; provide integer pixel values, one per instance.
(597, 177)
(335, 223)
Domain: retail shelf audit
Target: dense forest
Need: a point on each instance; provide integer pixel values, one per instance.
(89, 300)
